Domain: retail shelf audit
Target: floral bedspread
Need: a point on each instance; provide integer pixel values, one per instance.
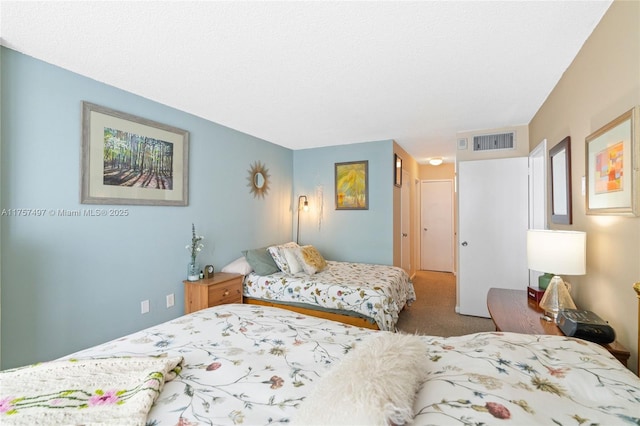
(378, 292)
(254, 365)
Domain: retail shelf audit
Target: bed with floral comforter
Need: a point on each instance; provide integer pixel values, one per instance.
(376, 292)
(246, 364)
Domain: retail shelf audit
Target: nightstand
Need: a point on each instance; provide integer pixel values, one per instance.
(222, 288)
(513, 311)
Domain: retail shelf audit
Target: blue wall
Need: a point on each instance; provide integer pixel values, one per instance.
(72, 282)
(347, 235)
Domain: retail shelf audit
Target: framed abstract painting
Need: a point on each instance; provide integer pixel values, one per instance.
(612, 175)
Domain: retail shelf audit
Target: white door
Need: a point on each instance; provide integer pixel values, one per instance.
(405, 224)
(493, 220)
(537, 195)
(436, 225)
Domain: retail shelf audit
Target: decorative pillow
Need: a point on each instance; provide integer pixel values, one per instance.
(310, 259)
(292, 260)
(261, 261)
(238, 266)
(277, 253)
(375, 384)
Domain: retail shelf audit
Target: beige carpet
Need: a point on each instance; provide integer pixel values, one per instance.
(433, 313)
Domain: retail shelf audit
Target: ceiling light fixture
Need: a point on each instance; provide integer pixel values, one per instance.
(435, 161)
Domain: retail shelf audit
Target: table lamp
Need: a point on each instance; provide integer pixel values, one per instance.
(556, 252)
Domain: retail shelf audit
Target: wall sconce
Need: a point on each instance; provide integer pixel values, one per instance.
(436, 161)
(303, 207)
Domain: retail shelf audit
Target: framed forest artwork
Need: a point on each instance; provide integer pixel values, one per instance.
(132, 160)
(352, 185)
(613, 167)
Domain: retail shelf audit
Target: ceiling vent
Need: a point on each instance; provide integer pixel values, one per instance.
(494, 141)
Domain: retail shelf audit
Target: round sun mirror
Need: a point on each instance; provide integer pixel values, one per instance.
(258, 179)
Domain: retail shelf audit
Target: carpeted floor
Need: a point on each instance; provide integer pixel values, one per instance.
(433, 313)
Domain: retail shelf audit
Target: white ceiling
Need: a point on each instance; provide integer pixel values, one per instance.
(310, 74)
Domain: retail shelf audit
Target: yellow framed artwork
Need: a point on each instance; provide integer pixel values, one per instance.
(352, 185)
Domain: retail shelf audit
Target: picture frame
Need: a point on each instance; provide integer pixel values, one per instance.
(352, 185)
(397, 170)
(560, 165)
(612, 161)
(126, 159)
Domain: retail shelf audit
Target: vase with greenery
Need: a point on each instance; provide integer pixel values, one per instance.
(193, 268)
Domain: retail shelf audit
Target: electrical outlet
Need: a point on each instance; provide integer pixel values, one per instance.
(170, 300)
(144, 307)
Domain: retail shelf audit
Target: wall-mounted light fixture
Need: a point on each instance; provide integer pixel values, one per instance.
(435, 161)
(304, 206)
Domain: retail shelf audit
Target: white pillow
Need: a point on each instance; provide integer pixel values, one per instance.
(238, 266)
(292, 260)
(375, 384)
(277, 252)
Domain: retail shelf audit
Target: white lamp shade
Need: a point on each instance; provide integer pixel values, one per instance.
(557, 252)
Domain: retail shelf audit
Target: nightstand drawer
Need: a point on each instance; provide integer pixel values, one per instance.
(222, 288)
(230, 292)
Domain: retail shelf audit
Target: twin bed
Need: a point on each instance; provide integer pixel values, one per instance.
(257, 365)
(298, 278)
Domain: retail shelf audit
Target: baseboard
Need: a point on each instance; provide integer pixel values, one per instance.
(457, 309)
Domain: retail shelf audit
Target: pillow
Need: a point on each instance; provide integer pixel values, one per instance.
(310, 259)
(261, 261)
(238, 266)
(277, 252)
(292, 260)
(375, 384)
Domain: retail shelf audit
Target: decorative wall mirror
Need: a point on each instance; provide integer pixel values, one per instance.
(258, 179)
(560, 157)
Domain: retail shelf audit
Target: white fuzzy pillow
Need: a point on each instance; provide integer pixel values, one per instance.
(375, 384)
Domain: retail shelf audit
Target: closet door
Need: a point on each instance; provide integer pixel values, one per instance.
(436, 224)
(493, 221)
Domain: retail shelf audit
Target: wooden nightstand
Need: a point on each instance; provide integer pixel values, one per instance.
(513, 311)
(222, 288)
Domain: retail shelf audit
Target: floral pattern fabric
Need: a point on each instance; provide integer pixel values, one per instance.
(254, 365)
(111, 390)
(378, 292)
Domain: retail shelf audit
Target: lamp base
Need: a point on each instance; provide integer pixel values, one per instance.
(555, 298)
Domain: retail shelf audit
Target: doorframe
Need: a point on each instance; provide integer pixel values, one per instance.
(405, 219)
(538, 180)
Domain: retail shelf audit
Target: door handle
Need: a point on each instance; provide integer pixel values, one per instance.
(425, 229)
(405, 235)
(464, 244)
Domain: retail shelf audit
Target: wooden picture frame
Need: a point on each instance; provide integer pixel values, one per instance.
(132, 160)
(612, 162)
(397, 170)
(560, 165)
(352, 185)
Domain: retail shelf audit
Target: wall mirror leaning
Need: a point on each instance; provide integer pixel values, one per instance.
(258, 179)
(560, 158)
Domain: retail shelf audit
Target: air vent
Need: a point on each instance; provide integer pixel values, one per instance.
(495, 141)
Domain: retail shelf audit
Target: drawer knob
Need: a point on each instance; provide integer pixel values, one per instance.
(226, 293)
